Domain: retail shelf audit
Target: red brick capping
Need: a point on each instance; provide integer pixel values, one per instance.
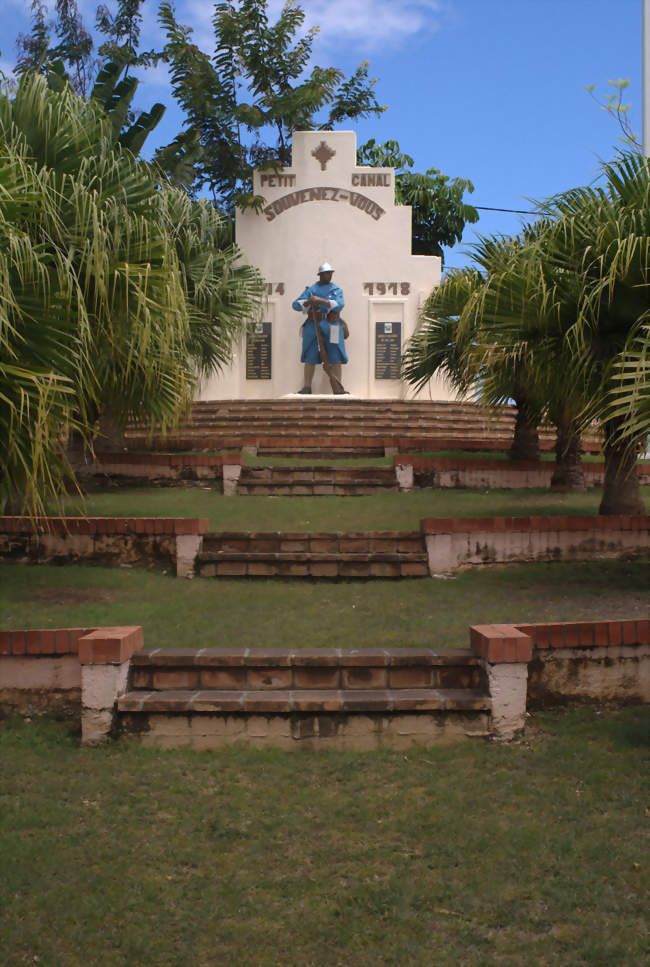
(180, 460)
(423, 464)
(501, 643)
(469, 525)
(516, 643)
(94, 646)
(588, 634)
(45, 641)
(472, 463)
(151, 526)
(110, 646)
(482, 463)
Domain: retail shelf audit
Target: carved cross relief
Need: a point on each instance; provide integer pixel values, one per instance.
(323, 153)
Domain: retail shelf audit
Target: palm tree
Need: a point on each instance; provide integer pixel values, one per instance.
(38, 335)
(600, 239)
(456, 343)
(117, 292)
(525, 312)
(569, 306)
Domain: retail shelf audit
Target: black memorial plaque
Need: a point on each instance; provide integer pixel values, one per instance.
(388, 350)
(258, 352)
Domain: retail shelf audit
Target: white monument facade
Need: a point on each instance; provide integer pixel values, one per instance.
(326, 208)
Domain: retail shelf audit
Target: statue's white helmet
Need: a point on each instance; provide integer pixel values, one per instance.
(324, 267)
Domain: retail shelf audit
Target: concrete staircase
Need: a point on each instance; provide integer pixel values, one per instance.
(341, 427)
(338, 556)
(316, 481)
(209, 696)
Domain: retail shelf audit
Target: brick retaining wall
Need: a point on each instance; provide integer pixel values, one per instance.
(454, 543)
(167, 542)
(601, 661)
(163, 468)
(76, 673)
(451, 543)
(452, 472)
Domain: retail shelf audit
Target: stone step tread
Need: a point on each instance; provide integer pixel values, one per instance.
(332, 424)
(306, 657)
(373, 432)
(307, 490)
(261, 701)
(315, 570)
(317, 473)
(303, 487)
(360, 557)
(347, 414)
(324, 422)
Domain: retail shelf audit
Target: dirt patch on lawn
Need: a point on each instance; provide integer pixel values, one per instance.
(623, 605)
(69, 595)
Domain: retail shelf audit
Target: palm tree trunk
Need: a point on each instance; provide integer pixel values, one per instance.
(568, 474)
(525, 442)
(78, 453)
(110, 436)
(621, 491)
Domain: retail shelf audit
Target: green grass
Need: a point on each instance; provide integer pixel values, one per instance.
(295, 614)
(477, 855)
(381, 511)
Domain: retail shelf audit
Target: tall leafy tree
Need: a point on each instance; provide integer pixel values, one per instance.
(74, 48)
(243, 101)
(439, 211)
(122, 30)
(73, 60)
(115, 85)
(33, 48)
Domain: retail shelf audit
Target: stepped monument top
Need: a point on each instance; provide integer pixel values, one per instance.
(327, 209)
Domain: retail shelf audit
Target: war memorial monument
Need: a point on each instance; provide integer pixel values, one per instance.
(326, 208)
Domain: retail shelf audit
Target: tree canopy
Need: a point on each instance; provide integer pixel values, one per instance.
(439, 211)
(245, 98)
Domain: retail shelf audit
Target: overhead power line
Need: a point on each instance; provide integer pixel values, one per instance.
(513, 211)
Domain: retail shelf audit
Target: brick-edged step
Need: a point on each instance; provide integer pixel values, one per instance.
(305, 481)
(259, 669)
(278, 681)
(378, 554)
(357, 698)
(286, 701)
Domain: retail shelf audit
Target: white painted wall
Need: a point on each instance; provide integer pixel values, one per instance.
(369, 247)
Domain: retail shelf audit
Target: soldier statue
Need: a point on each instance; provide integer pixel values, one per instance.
(322, 302)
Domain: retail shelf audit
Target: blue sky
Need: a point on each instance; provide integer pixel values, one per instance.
(490, 90)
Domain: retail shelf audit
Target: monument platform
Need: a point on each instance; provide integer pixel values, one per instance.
(341, 426)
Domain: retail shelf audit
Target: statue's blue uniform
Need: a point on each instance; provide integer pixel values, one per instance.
(335, 349)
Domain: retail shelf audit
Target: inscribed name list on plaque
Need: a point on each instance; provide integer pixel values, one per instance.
(259, 351)
(388, 350)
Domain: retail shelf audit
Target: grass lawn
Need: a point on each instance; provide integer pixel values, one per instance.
(476, 855)
(381, 511)
(408, 613)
